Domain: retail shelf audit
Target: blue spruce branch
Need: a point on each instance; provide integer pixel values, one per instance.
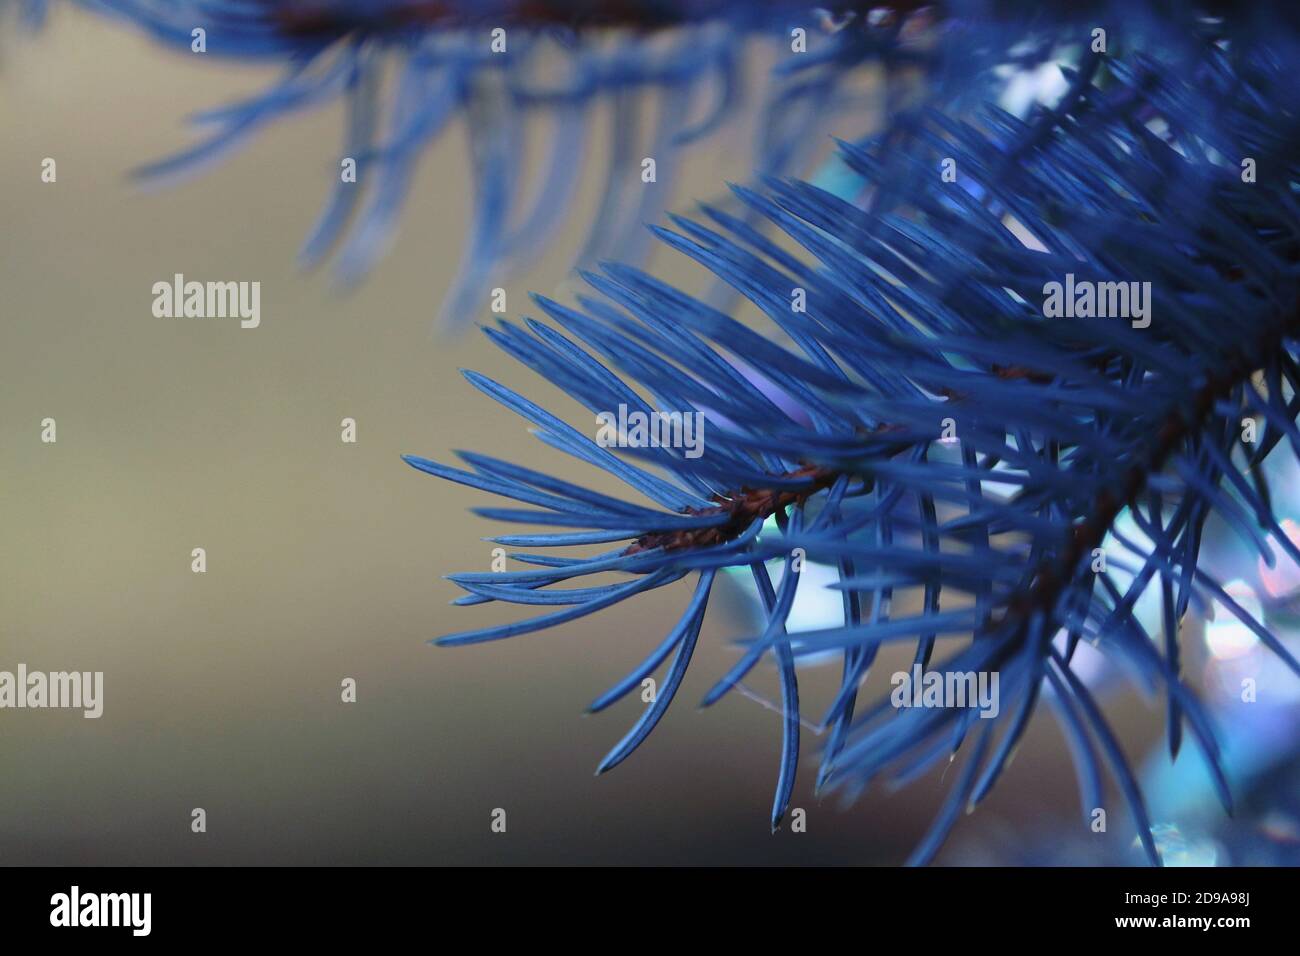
(925, 302)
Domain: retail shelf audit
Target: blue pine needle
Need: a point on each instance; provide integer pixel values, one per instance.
(406, 71)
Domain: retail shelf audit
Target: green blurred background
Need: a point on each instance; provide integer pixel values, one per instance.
(324, 559)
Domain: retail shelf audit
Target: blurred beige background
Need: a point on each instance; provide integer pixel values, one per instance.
(324, 559)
